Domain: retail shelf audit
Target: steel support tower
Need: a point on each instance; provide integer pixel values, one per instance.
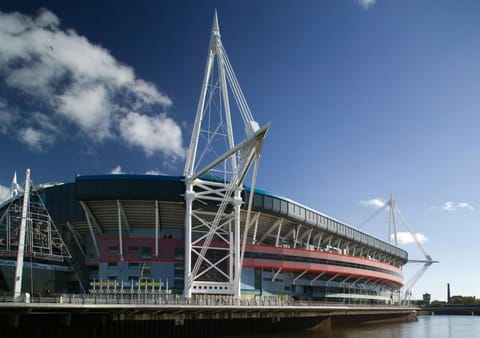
(215, 169)
(394, 214)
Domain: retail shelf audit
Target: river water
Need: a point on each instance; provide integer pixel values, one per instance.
(424, 327)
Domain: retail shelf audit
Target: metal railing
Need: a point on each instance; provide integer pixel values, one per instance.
(164, 299)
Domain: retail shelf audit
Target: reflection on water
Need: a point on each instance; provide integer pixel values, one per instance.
(425, 327)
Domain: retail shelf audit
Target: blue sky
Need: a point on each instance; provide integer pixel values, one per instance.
(365, 98)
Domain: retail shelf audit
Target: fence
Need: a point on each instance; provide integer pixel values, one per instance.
(168, 299)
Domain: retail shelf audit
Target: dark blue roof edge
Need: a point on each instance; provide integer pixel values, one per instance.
(267, 193)
(139, 177)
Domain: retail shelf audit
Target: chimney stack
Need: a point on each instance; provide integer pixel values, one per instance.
(448, 293)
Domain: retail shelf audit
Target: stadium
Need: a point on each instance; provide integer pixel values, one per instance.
(205, 232)
(128, 231)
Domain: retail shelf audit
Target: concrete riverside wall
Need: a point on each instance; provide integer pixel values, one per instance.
(67, 321)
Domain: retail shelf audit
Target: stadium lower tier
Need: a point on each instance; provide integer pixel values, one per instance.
(267, 270)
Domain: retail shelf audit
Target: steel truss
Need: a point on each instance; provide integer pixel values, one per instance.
(26, 229)
(213, 197)
(394, 214)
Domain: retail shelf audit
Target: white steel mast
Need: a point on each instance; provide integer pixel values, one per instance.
(427, 262)
(215, 170)
(21, 239)
(394, 214)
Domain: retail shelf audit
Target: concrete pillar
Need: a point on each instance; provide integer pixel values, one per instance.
(14, 320)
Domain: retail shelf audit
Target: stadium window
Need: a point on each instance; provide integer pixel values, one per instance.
(113, 250)
(258, 279)
(178, 273)
(179, 253)
(146, 253)
(257, 201)
(276, 205)
(268, 203)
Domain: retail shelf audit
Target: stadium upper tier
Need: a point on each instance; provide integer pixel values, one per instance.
(277, 221)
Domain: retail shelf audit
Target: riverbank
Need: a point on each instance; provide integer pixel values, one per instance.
(71, 316)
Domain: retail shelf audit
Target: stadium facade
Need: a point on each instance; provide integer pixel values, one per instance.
(127, 231)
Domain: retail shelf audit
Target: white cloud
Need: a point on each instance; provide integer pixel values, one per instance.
(366, 3)
(37, 133)
(153, 172)
(117, 170)
(44, 122)
(452, 206)
(464, 205)
(89, 107)
(6, 116)
(47, 19)
(78, 84)
(34, 138)
(148, 94)
(4, 193)
(374, 203)
(407, 238)
(158, 133)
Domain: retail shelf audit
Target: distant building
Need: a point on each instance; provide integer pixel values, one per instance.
(427, 298)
